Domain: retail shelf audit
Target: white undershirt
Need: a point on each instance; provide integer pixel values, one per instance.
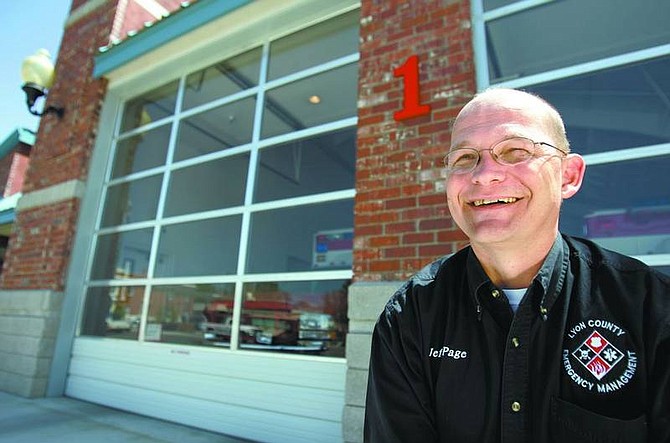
(514, 296)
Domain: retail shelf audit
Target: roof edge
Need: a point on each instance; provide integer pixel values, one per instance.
(163, 32)
(19, 135)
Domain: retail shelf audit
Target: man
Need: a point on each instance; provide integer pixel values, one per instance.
(526, 335)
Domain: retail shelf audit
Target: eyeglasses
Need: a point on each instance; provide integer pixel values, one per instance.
(509, 152)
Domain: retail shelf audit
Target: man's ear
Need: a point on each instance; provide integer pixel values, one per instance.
(574, 168)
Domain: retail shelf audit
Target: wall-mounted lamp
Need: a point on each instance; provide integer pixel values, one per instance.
(37, 73)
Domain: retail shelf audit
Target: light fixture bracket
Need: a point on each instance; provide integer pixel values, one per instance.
(33, 92)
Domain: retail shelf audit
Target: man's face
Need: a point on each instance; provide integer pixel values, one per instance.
(498, 204)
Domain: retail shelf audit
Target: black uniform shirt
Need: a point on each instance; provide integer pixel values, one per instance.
(586, 357)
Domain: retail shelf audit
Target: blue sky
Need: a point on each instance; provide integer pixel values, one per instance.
(25, 27)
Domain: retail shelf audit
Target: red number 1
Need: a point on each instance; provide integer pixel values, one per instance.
(409, 71)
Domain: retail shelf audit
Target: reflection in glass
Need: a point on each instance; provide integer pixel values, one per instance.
(213, 185)
(289, 108)
(619, 108)
(222, 79)
(623, 206)
(142, 151)
(206, 247)
(150, 107)
(548, 37)
(308, 166)
(313, 46)
(131, 201)
(113, 311)
(307, 317)
(195, 314)
(302, 238)
(122, 255)
(215, 130)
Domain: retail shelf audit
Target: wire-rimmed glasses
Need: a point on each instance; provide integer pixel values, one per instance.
(509, 152)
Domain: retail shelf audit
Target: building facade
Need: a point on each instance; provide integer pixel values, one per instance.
(236, 187)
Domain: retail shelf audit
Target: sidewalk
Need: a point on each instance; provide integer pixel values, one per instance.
(64, 420)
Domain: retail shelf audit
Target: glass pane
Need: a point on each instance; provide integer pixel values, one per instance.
(142, 151)
(322, 163)
(302, 238)
(312, 101)
(614, 109)
(222, 79)
(132, 201)
(122, 255)
(307, 317)
(493, 4)
(215, 130)
(313, 46)
(191, 314)
(150, 107)
(212, 185)
(548, 37)
(664, 269)
(206, 247)
(623, 206)
(113, 312)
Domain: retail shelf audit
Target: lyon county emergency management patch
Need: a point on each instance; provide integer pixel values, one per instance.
(599, 356)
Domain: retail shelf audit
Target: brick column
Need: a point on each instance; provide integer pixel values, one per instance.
(36, 263)
(401, 218)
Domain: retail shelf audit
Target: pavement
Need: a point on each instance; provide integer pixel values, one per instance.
(64, 420)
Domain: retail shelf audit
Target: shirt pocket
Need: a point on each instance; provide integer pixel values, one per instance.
(570, 423)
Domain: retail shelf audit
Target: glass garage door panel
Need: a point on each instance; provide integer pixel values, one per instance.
(549, 37)
(305, 317)
(302, 238)
(614, 109)
(313, 165)
(205, 247)
(623, 206)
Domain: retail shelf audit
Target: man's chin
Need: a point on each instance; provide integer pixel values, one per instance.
(492, 233)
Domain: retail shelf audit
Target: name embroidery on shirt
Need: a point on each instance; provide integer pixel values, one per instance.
(447, 352)
(598, 357)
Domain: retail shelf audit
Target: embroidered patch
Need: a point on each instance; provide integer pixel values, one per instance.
(599, 357)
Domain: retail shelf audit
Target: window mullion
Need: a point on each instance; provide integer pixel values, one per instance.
(248, 197)
(153, 254)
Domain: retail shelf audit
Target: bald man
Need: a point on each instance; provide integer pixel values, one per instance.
(526, 335)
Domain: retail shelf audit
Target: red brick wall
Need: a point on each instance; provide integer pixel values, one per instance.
(39, 247)
(41, 241)
(13, 169)
(17, 174)
(401, 217)
(5, 168)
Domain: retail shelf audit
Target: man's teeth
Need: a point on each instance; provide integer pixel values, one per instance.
(483, 202)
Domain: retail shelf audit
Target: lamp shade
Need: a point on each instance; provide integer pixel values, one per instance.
(38, 69)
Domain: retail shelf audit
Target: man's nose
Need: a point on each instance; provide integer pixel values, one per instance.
(487, 169)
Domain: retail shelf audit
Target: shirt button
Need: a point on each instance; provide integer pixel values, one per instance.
(515, 342)
(495, 293)
(516, 406)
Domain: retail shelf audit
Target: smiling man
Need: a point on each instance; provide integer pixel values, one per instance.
(526, 335)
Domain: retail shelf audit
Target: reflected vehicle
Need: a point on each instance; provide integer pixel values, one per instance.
(264, 327)
(633, 231)
(120, 325)
(218, 333)
(629, 222)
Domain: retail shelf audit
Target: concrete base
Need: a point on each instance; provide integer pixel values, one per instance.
(366, 301)
(28, 326)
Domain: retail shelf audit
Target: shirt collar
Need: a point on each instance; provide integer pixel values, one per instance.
(548, 281)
